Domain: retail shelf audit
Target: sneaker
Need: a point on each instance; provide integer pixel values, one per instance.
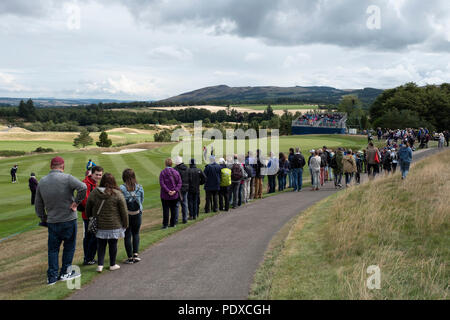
(89, 263)
(114, 267)
(136, 258)
(69, 276)
(129, 261)
(99, 269)
(51, 282)
(164, 227)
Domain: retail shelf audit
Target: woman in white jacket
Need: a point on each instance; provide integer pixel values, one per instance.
(314, 165)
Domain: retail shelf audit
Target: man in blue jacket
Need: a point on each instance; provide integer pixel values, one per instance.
(405, 158)
(212, 184)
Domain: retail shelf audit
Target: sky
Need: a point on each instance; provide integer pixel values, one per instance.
(155, 49)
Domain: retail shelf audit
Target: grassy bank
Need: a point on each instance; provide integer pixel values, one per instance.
(400, 226)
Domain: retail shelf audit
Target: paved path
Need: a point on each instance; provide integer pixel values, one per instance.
(212, 259)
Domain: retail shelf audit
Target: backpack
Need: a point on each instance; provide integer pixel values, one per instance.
(298, 161)
(333, 163)
(250, 170)
(225, 177)
(236, 173)
(133, 202)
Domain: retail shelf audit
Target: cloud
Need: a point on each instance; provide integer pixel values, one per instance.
(8, 83)
(296, 22)
(121, 86)
(170, 52)
(253, 56)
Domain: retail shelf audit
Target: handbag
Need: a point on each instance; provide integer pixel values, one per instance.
(93, 223)
(377, 159)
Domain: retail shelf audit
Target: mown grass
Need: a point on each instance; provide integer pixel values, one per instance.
(400, 226)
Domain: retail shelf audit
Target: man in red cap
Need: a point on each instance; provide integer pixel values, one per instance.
(56, 206)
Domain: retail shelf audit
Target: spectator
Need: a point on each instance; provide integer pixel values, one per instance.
(282, 171)
(108, 205)
(338, 167)
(92, 179)
(237, 175)
(225, 185)
(133, 193)
(405, 157)
(183, 171)
(258, 176)
(196, 178)
(33, 184)
(373, 160)
(349, 167)
(315, 169)
(170, 182)
(297, 163)
(272, 166)
(212, 185)
(56, 207)
(90, 165)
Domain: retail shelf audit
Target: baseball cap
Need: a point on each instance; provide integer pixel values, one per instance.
(56, 161)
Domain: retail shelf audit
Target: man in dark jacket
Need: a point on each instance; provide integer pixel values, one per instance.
(13, 174)
(196, 178)
(297, 163)
(212, 184)
(33, 184)
(183, 171)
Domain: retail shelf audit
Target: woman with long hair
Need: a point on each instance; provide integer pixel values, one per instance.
(107, 203)
(134, 197)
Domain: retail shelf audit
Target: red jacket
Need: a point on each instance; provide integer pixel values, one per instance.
(90, 184)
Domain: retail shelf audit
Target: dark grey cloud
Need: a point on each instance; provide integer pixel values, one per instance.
(296, 22)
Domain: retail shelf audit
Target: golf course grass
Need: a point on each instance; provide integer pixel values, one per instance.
(277, 106)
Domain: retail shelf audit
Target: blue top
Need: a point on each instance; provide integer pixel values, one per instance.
(139, 194)
(90, 165)
(405, 154)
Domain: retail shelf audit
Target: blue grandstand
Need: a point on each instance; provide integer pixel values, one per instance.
(320, 123)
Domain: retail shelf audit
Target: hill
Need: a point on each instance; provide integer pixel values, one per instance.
(52, 102)
(223, 94)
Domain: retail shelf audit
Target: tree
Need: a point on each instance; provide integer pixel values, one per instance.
(83, 139)
(104, 141)
(349, 104)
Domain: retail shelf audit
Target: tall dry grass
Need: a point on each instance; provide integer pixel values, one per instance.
(403, 226)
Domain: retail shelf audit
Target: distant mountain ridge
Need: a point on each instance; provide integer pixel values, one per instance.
(55, 102)
(270, 94)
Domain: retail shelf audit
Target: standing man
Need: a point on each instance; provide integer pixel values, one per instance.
(13, 173)
(297, 163)
(56, 206)
(183, 171)
(258, 176)
(196, 178)
(237, 174)
(291, 170)
(90, 240)
(250, 161)
(405, 158)
(273, 166)
(33, 184)
(225, 183)
(212, 184)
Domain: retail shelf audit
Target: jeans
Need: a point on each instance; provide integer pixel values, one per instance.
(172, 206)
(224, 198)
(112, 244)
(193, 204)
(337, 179)
(235, 186)
(240, 192)
(297, 178)
(330, 173)
(290, 178)
(184, 206)
(132, 234)
(348, 178)
(312, 176)
(89, 243)
(57, 233)
(211, 200)
(316, 178)
(281, 181)
(272, 183)
(404, 168)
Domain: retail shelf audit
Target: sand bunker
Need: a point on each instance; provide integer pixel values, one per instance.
(125, 151)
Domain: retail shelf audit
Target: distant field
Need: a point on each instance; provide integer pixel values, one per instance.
(277, 106)
(62, 141)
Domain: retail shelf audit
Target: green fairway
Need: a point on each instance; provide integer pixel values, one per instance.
(16, 213)
(277, 106)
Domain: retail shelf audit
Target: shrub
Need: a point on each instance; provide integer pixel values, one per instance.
(11, 153)
(41, 150)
